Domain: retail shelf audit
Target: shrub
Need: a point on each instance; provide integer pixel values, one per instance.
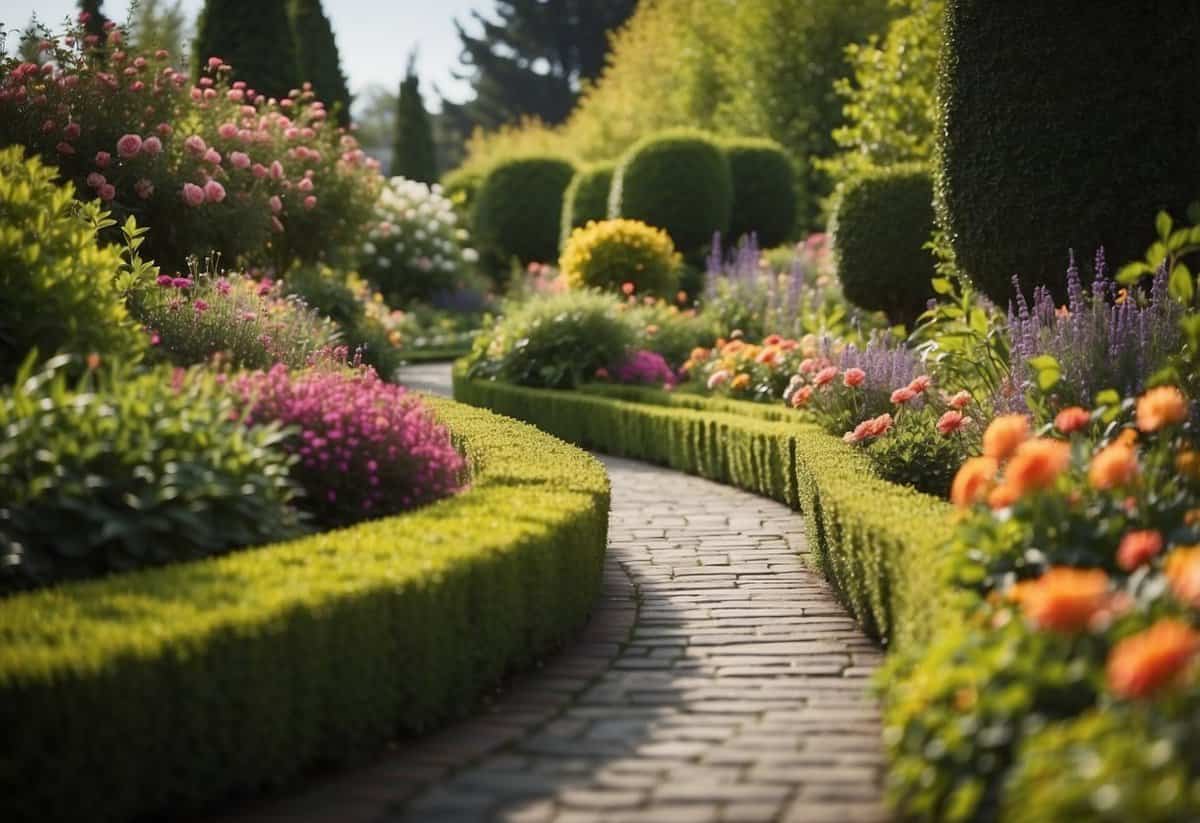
(1010, 198)
(60, 288)
(915, 454)
(764, 190)
(882, 223)
(556, 341)
(518, 209)
(121, 472)
(646, 368)
(667, 330)
(586, 199)
(461, 186)
(678, 181)
(365, 448)
(611, 253)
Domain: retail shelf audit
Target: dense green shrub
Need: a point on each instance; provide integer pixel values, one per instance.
(663, 328)
(676, 180)
(518, 208)
(59, 288)
(1059, 129)
(609, 254)
(914, 454)
(462, 186)
(882, 223)
(119, 473)
(586, 198)
(259, 42)
(764, 190)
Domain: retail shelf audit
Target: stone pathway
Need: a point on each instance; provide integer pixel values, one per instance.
(719, 680)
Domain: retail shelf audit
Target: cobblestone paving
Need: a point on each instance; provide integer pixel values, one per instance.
(718, 681)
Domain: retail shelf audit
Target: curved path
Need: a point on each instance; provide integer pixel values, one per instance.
(718, 680)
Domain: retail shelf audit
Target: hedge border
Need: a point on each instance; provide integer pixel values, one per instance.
(875, 542)
(172, 688)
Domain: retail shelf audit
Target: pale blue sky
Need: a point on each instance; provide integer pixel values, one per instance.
(373, 36)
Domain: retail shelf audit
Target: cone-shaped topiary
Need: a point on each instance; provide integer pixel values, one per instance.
(413, 156)
(255, 38)
(764, 190)
(518, 209)
(586, 198)
(318, 58)
(607, 254)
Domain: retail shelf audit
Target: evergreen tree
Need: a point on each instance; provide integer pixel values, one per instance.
(255, 38)
(413, 153)
(317, 54)
(94, 24)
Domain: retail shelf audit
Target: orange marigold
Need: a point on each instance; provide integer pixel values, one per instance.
(1065, 599)
(1072, 419)
(1160, 407)
(1036, 465)
(1004, 435)
(1183, 573)
(1143, 663)
(1114, 465)
(742, 381)
(1138, 547)
(973, 482)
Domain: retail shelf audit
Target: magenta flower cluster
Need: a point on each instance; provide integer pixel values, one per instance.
(645, 368)
(364, 447)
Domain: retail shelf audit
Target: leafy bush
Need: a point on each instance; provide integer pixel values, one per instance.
(678, 181)
(882, 223)
(764, 190)
(1009, 197)
(586, 199)
(556, 341)
(518, 209)
(916, 454)
(670, 331)
(121, 472)
(611, 253)
(60, 288)
(461, 187)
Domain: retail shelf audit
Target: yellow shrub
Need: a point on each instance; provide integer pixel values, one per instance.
(607, 254)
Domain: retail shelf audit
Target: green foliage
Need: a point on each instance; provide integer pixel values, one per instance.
(123, 472)
(518, 209)
(157, 24)
(317, 56)
(586, 198)
(1168, 251)
(413, 155)
(883, 222)
(462, 187)
(609, 254)
(764, 190)
(256, 40)
(1010, 198)
(237, 673)
(61, 290)
(663, 328)
(915, 454)
(678, 181)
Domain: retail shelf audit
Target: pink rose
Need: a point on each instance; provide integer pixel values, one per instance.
(275, 203)
(951, 422)
(305, 185)
(292, 133)
(214, 63)
(960, 400)
(143, 188)
(212, 156)
(214, 192)
(239, 159)
(95, 180)
(196, 145)
(825, 376)
(152, 146)
(920, 383)
(65, 148)
(71, 131)
(259, 170)
(165, 129)
(227, 131)
(107, 192)
(276, 170)
(854, 377)
(903, 395)
(193, 195)
(310, 202)
(137, 85)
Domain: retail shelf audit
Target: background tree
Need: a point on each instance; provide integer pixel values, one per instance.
(318, 58)
(255, 38)
(96, 19)
(156, 24)
(413, 152)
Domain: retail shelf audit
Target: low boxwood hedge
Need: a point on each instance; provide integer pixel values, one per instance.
(171, 688)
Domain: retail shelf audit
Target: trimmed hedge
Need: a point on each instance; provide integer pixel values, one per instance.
(166, 690)
(764, 190)
(874, 541)
(586, 198)
(518, 209)
(1063, 126)
(883, 220)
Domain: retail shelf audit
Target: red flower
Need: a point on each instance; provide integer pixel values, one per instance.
(1143, 663)
(951, 422)
(1138, 547)
(1072, 419)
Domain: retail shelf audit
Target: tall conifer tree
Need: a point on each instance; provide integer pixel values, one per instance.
(255, 38)
(317, 54)
(413, 153)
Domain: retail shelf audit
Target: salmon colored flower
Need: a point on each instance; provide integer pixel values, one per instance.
(1005, 434)
(903, 395)
(1114, 465)
(973, 481)
(1036, 465)
(920, 383)
(880, 425)
(950, 422)
(1183, 573)
(740, 383)
(1138, 547)
(1003, 496)
(768, 356)
(960, 400)
(1065, 599)
(773, 340)
(825, 376)
(717, 378)
(1161, 407)
(1072, 419)
(853, 377)
(801, 396)
(1145, 662)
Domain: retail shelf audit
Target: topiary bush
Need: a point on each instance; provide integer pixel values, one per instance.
(586, 199)
(518, 208)
(610, 253)
(678, 180)
(1059, 129)
(882, 222)
(461, 186)
(764, 190)
(60, 288)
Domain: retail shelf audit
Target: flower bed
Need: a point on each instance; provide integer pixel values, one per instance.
(172, 688)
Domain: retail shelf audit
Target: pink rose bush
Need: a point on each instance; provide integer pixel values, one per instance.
(644, 368)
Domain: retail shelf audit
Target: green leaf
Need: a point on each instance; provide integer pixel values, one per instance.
(1163, 224)
(1043, 362)
(1048, 378)
(941, 285)
(1156, 254)
(1108, 397)
(1180, 285)
(1130, 273)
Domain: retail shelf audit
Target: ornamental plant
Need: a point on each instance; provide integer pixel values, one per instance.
(644, 368)
(607, 254)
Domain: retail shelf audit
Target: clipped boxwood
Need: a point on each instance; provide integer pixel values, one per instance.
(1060, 128)
(518, 208)
(677, 180)
(764, 190)
(586, 198)
(882, 222)
(165, 690)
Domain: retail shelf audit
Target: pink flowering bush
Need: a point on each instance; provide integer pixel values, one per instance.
(645, 368)
(365, 448)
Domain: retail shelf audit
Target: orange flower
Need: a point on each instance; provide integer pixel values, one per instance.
(1138, 547)
(1114, 465)
(1188, 464)
(1003, 496)
(1127, 437)
(1004, 435)
(769, 356)
(1065, 599)
(740, 382)
(627, 288)
(1072, 419)
(1036, 465)
(681, 297)
(699, 353)
(1183, 573)
(773, 340)
(1164, 406)
(1143, 663)
(973, 481)
(950, 422)
(801, 397)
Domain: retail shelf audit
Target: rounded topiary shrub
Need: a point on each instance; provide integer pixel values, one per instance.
(677, 180)
(606, 254)
(764, 190)
(586, 198)
(882, 222)
(1060, 128)
(518, 208)
(461, 186)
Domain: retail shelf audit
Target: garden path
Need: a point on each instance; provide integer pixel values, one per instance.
(718, 680)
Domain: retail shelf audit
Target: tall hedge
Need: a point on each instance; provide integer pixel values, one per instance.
(255, 38)
(677, 180)
(518, 208)
(1063, 125)
(882, 222)
(586, 198)
(764, 190)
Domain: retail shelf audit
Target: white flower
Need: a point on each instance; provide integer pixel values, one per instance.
(368, 248)
(470, 255)
(383, 263)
